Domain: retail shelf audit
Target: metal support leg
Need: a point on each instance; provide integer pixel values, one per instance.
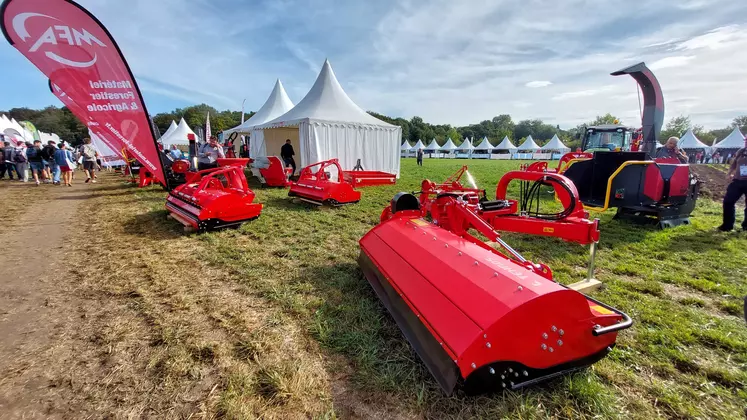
(590, 283)
(592, 257)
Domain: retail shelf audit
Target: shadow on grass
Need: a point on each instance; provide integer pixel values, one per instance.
(153, 224)
(287, 203)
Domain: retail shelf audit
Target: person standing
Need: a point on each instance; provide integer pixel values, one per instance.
(22, 162)
(89, 154)
(49, 163)
(6, 161)
(671, 151)
(420, 157)
(64, 159)
(287, 153)
(34, 156)
(737, 188)
(209, 153)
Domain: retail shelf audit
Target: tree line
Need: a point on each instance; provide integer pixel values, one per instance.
(61, 121)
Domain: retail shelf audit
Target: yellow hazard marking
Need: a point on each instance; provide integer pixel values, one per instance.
(602, 310)
(419, 222)
(548, 230)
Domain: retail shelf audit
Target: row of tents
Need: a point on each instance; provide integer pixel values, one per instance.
(485, 146)
(689, 141)
(16, 132)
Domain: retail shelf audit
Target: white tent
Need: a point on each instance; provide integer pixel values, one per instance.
(170, 130)
(505, 144)
(179, 136)
(108, 156)
(405, 146)
(555, 144)
(735, 140)
(529, 144)
(466, 146)
(689, 141)
(448, 146)
(484, 145)
(418, 145)
(433, 145)
(659, 145)
(327, 124)
(277, 104)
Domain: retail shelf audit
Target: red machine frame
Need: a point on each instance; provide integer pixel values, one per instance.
(276, 175)
(472, 313)
(315, 186)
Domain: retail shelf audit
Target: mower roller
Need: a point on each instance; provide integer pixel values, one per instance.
(323, 183)
(474, 315)
(359, 177)
(214, 198)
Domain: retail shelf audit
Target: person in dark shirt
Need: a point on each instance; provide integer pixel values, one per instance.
(287, 153)
(7, 161)
(420, 157)
(34, 156)
(670, 150)
(734, 192)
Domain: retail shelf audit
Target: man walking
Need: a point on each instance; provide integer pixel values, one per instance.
(6, 161)
(734, 192)
(49, 163)
(22, 162)
(287, 153)
(209, 153)
(34, 156)
(89, 155)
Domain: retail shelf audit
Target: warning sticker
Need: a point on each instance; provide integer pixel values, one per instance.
(601, 310)
(548, 230)
(419, 222)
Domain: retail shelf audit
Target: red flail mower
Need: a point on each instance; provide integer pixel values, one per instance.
(323, 183)
(486, 319)
(214, 198)
(359, 177)
(273, 171)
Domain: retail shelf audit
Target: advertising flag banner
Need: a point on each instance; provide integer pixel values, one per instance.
(73, 49)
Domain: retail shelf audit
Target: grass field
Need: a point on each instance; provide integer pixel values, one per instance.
(276, 320)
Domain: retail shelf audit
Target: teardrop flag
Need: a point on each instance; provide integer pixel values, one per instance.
(72, 48)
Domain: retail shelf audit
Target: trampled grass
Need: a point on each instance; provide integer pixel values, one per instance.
(323, 345)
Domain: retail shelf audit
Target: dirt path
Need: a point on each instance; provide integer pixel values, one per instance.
(32, 313)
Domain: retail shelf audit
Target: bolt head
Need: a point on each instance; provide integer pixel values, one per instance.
(561, 332)
(484, 336)
(492, 371)
(446, 245)
(525, 373)
(459, 253)
(554, 328)
(503, 377)
(551, 349)
(504, 384)
(520, 288)
(516, 374)
(510, 370)
(476, 263)
(544, 346)
(560, 342)
(544, 335)
(474, 366)
(488, 345)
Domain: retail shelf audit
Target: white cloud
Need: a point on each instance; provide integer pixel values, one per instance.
(716, 39)
(677, 61)
(538, 84)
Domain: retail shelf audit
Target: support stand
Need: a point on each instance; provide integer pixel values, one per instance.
(590, 284)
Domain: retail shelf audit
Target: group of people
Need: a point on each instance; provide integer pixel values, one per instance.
(50, 164)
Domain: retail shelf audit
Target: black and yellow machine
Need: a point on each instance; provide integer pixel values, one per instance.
(618, 168)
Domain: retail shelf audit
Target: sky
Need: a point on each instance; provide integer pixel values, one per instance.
(449, 62)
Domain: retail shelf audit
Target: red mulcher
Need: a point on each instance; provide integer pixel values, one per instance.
(323, 183)
(214, 198)
(473, 314)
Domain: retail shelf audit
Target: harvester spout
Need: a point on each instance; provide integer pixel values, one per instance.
(653, 105)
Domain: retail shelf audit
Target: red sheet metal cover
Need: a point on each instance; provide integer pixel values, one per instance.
(653, 184)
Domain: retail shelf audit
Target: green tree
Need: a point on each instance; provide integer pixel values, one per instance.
(741, 123)
(676, 127)
(606, 119)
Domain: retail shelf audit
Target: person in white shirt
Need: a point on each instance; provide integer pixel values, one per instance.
(209, 153)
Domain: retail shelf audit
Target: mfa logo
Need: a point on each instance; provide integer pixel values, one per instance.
(56, 35)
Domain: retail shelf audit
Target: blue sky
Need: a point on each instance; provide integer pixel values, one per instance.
(455, 62)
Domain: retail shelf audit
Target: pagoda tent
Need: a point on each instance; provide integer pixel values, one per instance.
(170, 130)
(735, 140)
(528, 146)
(465, 149)
(432, 146)
(327, 124)
(690, 142)
(179, 136)
(419, 145)
(108, 156)
(555, 144)
(506, 144)
(448, 147)
(277, 104)
(482, 150)
(405, 148)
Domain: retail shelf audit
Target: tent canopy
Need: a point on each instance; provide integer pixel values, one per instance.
(419, 145)
(466, 145)
(735, 140)
(330, 125)
(406, 146)
(448, 146)
(505, 144)
(555, 144)
(170, 130)
(178, 136)
(277, 104)
(689, 141)
(529, 144)
(433, 145)
(484, 145)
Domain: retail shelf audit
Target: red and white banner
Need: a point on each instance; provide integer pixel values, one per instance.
(208, 132)
(73, 49)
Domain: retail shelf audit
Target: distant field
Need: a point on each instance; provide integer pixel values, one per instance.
(276, 320)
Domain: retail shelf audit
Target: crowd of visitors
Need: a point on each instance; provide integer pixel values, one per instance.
(48, 164)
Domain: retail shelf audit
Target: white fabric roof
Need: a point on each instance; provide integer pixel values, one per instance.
(466, 145)
(448, 146)
(406, 146)
(179, 136)
(689, 141)
(529, 144)
(555, 144)
(327, 102)
(505, 144)
(433, 145)
(484, 145)
(735, 140)
(108, 156)
(419, 145)
(170, 130)
(277, 104)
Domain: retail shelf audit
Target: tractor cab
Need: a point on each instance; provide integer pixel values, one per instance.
(608, 137)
